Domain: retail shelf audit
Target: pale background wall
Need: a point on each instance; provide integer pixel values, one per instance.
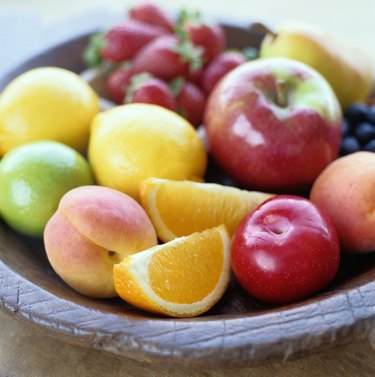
(46, 20)
(353, 19)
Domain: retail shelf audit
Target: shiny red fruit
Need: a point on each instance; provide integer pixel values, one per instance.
(285, 250)
(273, 125)
(160, 59)
(152, 14)
(125, 39)
(191, 102)
(117, 83)
(155, 92)
(211, 37)
(219, 67)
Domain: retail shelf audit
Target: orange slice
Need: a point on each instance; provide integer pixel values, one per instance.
(180, 208)
(182, 278)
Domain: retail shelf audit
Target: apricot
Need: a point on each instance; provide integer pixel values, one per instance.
(345, 190)
(94, 228)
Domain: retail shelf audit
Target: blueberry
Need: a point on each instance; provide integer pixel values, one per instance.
(365, 132)
(370, 146)
(356, 113)
(345, 125)
(371, 114)
(349, 144)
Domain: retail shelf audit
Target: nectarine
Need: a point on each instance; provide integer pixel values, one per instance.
(93, 229)
(345, 190)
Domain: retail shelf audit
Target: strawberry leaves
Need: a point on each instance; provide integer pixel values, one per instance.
(92, 55)
(190, 54)
(176, 85)
(185, 48)
(136, 83)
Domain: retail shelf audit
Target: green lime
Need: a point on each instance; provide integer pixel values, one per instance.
(33, 178)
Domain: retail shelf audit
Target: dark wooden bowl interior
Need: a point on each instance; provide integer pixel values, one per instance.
(238, 331)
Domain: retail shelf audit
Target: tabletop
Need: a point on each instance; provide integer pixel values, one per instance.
(24, 350)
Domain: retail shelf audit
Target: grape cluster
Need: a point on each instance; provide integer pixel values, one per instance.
(358, 129)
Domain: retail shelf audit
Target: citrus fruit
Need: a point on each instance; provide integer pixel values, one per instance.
(132, 142)
(182, 278)
(47, 103)
(33, 178)
(179, 208)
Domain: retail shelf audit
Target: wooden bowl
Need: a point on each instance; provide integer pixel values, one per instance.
(238, 331)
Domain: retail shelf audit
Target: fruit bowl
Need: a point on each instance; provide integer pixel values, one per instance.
(238, 331)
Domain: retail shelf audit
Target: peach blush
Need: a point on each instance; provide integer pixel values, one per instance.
(345, 190)
(94, 228)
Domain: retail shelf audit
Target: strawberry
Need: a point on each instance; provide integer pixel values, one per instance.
(210, 37)
(167, 57)
(147, 89)
(195, 76)
(191, 101)
(152, 14)
(124, 40)
(219, 67)
(117, 83)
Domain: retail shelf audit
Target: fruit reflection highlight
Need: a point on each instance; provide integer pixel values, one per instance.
(273, 125)
(285, 250)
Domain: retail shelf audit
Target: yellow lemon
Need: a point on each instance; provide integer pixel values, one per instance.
(182, 278)
(179, 208)
(130, 143)
(47, 103)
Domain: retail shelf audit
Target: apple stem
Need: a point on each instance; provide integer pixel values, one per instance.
(272, 34)
(261, 28)
(281, 98)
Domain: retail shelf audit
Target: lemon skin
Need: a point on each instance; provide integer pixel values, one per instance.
(47, 103)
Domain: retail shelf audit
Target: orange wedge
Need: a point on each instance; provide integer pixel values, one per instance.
(182, 278)
(180, 208)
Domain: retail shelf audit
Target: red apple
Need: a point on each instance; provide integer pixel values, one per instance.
(273, 125)
(285, 250)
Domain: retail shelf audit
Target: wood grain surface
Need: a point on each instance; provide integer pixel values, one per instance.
(26, 352)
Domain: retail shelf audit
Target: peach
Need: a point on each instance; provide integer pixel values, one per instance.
(94, 228)
(345, 190)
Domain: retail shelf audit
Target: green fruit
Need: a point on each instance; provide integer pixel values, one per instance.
(33, 178)
(346, 68)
